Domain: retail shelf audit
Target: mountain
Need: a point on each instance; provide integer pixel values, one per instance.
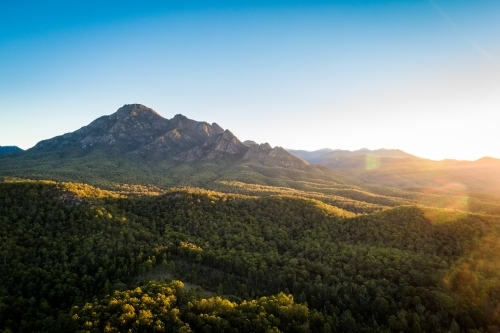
(137, 129)
(311, 156)
(9, 149)
(137, 145)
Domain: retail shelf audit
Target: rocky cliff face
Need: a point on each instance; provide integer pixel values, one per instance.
(276, 156)
(129, 128)
(137, 129)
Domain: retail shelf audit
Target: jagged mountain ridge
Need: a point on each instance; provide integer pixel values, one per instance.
(137, 129)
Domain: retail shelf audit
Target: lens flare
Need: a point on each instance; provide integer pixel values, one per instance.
(449, 195)
(372, 162)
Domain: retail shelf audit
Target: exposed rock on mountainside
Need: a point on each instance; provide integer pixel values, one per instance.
(265, 154)
(130, 128)
(137, 129)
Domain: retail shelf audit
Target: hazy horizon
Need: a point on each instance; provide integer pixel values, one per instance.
(422, 76)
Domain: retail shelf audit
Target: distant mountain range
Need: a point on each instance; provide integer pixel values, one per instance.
(396, 168)
(9, 149)
(329, 156)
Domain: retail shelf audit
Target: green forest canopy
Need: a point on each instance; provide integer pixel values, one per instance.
(75, 257)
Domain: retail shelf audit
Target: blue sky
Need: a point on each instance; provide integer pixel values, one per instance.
(422, 76)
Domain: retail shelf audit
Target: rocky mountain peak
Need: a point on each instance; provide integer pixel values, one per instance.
(217, 128)
(250, 143)
(179, 117)
(135, 111)
(137, 129)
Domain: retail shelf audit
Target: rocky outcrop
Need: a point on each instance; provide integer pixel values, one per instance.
(250, 143)
(129, 128)
(276, 156)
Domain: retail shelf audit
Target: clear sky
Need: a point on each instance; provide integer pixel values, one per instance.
(421, 76)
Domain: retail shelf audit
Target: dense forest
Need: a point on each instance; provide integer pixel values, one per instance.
(251, 258)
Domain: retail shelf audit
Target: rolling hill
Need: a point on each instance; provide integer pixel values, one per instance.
(79, 258)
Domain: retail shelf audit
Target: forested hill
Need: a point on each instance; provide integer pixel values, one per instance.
(9, 149)
(78, 258)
